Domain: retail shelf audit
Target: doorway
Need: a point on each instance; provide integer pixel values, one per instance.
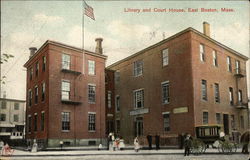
(138, 126)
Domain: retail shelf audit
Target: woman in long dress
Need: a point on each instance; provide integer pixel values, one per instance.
(137, 145)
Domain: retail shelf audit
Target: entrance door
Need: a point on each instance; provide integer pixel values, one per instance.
(226, 123)
(139, 126)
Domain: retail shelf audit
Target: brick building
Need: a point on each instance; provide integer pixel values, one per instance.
(65, 95)
(12, 120)
(184, 81)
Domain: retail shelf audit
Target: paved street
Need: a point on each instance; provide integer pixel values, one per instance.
(175, 154)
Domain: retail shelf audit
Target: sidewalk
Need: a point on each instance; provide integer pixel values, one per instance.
(20, 153)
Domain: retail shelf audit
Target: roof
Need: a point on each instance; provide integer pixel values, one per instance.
(176, 35)
(64, 46)
(14, 100)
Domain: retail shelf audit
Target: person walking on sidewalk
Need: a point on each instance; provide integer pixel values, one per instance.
(157, 141)
(149, 138)
(137, 144)
(187, 145)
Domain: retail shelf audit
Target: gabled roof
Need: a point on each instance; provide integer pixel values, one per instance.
(176, 35)
(64, 46)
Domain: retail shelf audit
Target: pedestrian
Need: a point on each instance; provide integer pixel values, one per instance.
(187, 145)
(149, 138)
(157, 141)
(113, 141)
(121, 144)
(109, 140)
(137, 144)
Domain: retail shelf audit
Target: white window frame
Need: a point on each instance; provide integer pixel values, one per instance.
(202, 52)
(109, 98)
(91, 67)
(166, 121)
(65, 121)
(29, 124)
(16, 118)
(91, 121)
(239, 95)
(30, 97)
(218, 118)
(217, 92)
(43, 91)
(42, 123)
(37, 69)
(231, 97)
(136, 101)
(205, 121)
(165, 100)
(204, 90)
(237, 66)
(165, 57)
(66, 61)
(65, 90)
(35, 122)
(215, 58)
(138, 68)
(91, 93)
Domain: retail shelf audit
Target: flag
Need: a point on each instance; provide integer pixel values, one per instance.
(88, 10)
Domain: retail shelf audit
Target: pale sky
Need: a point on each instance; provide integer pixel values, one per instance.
(31, 23)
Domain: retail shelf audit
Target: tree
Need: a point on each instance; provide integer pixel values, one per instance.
(3, 59)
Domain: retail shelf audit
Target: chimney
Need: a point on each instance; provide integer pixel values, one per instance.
(206, 29)
(32, 51)
(98, 48)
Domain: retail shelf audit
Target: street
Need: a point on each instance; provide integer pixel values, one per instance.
(176, 154)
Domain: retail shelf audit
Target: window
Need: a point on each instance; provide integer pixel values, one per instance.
(91, 126)
(229, 65)
(139, 98)
(16, 118)
(36, 95)
(202, 53)
(240, 96)
(2, 117)
(91, 67)
(91, 93)
(29, 123)
(231, 97)
(166, 121)
(43, 91)
(42, 121)
(217, 92)
(118, 126)
(138, 126)
(30, 97)
(65, 90)
(16, 106)
(31, 73)
(65, 121)
(205, 117)
(218, 118)
(37, 68)
(138, 67)
(215, 61)
(65, 61)
(117, 77)
(4, 104)
(44, 63)
(204, 89)
(165, 92)
(232, 122)
(117, 103)
(237, 65)
(164, 57)
(35, 122)
(242, 125)
(109, 99)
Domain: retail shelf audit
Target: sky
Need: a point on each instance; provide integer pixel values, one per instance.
(27, 24)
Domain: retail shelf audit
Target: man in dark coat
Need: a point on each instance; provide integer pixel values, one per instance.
(187, 145)
(149, 138)
(157, 141)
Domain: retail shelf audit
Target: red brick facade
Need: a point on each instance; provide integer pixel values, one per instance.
(183, 74)
(76, 105)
